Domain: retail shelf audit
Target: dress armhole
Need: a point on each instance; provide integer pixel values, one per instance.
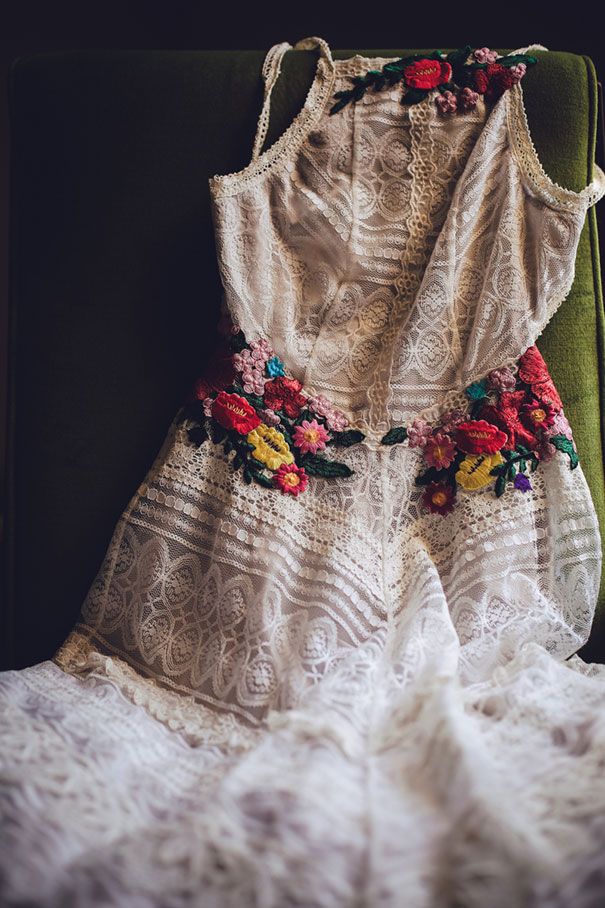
(536, 178)
(289, 141)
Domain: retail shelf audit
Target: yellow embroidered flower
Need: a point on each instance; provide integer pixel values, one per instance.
(474, 471)
(270, 446)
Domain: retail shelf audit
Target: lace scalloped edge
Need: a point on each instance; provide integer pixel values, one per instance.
(282, 150)
(179, 712)
(540, 183)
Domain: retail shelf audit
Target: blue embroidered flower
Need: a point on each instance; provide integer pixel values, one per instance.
(275, 367)
(522, 482)
(477, 391)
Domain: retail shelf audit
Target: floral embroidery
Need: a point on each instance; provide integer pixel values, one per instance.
(246, 402)
(269, 446)
(291, 478)
(514, 422)
(459, 78)
(310, 436)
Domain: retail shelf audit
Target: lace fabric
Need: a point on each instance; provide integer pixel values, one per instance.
(335, 699)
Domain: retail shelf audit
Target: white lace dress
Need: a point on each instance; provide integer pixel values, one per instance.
(328, 659)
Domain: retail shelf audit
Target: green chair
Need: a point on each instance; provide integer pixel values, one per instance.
(115, 287)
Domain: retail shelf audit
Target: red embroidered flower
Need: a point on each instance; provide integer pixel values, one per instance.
(427, 73)
(291, 478)
(481, 81)
(537, 415)
(500, 79)
(439, 497)
(234, 412)
(533, 370)
(219, 373)
(506, 416)
(440, 451)
(284, 394)
(479, 437)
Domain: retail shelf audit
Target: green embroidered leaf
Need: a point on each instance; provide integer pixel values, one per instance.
(563, 443)
(253, 399)
(534, 464)
(414, 96)
(522, 465)
(500, 485)
(522, 449)
(316, 465)
(285, 431)
(197, 435)
(347, 438)
(459, 56)
(513, 59)
(237, 461)
(227, 445)
(394, 436)
(339, 105)
(247, 475)
(477, 407)
(262, 479)
(432, 474)
(218, 432)
(512, 469)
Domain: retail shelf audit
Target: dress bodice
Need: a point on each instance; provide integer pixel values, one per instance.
(392, 254)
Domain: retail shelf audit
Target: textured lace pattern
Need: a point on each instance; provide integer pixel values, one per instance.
(331, 700)
(393, 255)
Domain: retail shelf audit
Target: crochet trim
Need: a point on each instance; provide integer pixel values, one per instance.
(529, 162)
(180, 712)
(280, 152)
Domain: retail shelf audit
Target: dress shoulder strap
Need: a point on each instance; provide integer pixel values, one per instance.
(270, 73)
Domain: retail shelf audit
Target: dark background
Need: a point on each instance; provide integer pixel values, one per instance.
(34, 27)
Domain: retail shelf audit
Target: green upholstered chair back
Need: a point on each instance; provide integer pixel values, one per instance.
(115, 287)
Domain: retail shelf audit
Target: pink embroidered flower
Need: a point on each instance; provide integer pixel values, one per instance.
(451, 419)
(310, 436)
(502, 379)
(440, 451)
(518, 71)
(252, 371)
(446, 102)
(335, 420)
(468, 98)
(560, 426)
(439, 497)
(419, 433)
(261, 350)
(269, 417)
(485, 55)
(290, 478)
